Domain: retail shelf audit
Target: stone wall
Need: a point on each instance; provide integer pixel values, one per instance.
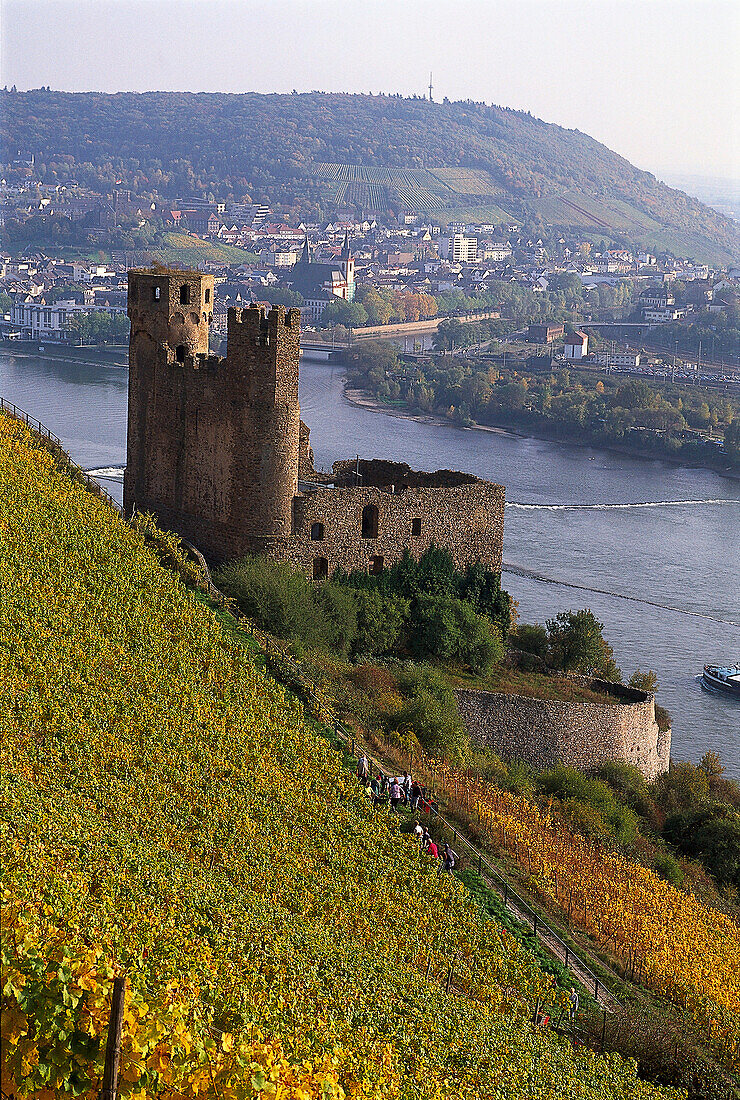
(544, 732)
(468, 520)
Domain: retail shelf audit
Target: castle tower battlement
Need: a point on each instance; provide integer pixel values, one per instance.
(213, 443)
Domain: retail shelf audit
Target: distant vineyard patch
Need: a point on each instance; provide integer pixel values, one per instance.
(467, 181)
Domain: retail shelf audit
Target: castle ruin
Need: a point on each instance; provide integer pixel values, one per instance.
(218, 452)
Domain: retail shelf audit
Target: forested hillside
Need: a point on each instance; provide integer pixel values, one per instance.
(315, 152)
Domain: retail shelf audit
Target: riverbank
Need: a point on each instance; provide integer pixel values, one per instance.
(105, 355)
(362, 399)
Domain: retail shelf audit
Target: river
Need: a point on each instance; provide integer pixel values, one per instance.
(652, 548)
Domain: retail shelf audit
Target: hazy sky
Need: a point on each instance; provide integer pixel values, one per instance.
(654, 79)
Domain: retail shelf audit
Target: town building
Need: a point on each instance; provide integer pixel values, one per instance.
(544, 334)
(576, 345)
(459, 248)
(321, 283)
(617, 358)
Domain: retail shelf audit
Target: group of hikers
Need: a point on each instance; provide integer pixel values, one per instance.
(393, 790)
(397, 790)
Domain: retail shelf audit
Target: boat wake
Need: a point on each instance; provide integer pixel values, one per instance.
(531, 574)
(108, 473)
(607, 507)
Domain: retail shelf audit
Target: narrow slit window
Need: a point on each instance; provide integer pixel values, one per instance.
(320, 568)
(180, 351)
(184, 295)
(208, 296)
(415, 528)
(317, 532)
(370, 521)
(156, 293)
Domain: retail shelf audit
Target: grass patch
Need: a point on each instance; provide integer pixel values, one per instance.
(183, 248)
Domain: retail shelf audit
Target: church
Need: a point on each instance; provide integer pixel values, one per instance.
(318, 284)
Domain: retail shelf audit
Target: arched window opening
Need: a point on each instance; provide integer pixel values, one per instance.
(180, 351)
(184, 295)
(376, 566)
(320, 568)
(156, 293)
(317, 532)
(415, 528)
(370, 521)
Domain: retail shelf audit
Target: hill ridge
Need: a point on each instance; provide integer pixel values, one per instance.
(265, 146)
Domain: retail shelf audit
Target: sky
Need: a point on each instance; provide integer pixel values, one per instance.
(655, 80)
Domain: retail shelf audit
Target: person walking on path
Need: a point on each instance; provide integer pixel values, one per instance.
(363, 768)
(396, 794)
(449, 859)
(432, 849)
(418, 832)
(425, 838)
(415, 794)
(572, 1004)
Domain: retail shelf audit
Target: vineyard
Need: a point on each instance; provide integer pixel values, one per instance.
(187, 250)
(170, 813)
(664, 938)
(467, 181)
(378, 188)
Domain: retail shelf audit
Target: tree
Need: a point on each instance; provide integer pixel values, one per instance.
(577, 643)
(732, 440)
(447, 629)
(643, 681)
(351, 314)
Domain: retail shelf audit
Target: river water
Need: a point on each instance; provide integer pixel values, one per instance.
(652, 548)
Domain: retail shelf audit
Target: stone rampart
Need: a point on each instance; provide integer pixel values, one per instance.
(544, 732)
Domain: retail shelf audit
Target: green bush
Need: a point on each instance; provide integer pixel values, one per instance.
(532, 638)
(591, 804)
(711, 834)
(447, 629)
(380, 621)
(430, 712)
(670, 869)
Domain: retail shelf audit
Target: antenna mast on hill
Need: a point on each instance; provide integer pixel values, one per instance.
(430, 89)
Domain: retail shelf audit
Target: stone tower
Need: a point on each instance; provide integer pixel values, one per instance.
(213, 444)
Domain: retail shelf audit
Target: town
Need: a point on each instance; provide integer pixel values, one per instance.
(388, 273)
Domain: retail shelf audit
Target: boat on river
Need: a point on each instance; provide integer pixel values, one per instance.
(726, 680)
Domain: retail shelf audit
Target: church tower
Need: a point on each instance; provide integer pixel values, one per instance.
(348, 268)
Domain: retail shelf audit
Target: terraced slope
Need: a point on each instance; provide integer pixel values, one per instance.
(168, 812)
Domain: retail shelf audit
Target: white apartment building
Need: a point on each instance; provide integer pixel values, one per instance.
(37, 321)
(460, 249)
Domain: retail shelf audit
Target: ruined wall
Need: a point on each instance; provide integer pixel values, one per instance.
(467, 520)
(544, 732)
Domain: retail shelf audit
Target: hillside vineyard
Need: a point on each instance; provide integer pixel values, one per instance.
(169, 812)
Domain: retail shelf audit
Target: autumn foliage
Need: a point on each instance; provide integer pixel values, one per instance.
(169, 812)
